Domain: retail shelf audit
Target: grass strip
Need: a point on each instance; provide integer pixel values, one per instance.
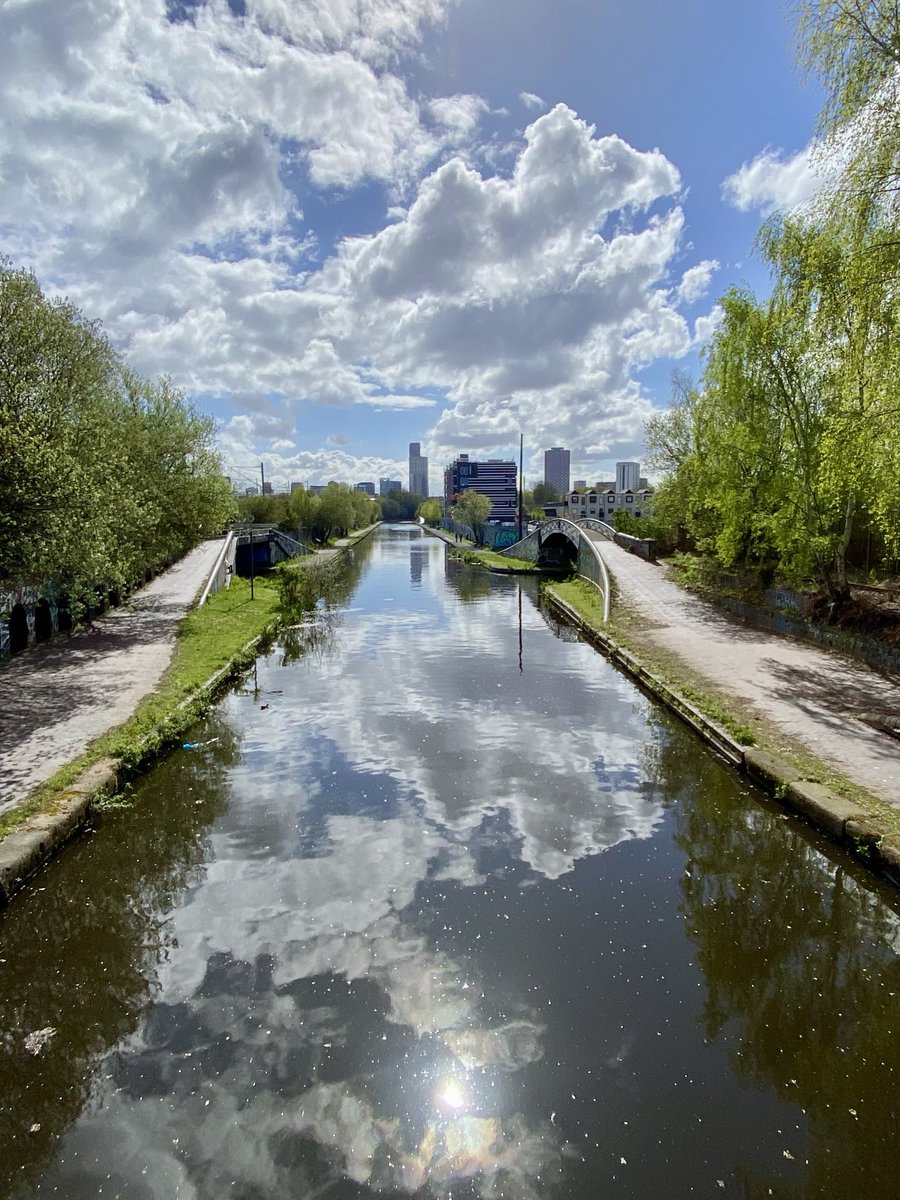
(210, 639)
(489, 558)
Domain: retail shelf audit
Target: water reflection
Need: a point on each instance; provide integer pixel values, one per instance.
(457, 914)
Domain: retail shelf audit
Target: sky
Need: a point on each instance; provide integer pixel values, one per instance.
(344, 225)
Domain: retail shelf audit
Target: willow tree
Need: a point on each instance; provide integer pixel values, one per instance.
(853, 47)
(831, 275)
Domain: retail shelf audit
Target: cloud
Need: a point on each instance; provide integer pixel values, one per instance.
(530, 100)
(158, 170)
(774, 181)
(458, 114)
(696, 280)
(247, 436)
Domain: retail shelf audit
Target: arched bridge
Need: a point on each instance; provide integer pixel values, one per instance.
(567, 545)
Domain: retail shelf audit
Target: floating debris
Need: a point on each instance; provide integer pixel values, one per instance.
(36, 1041)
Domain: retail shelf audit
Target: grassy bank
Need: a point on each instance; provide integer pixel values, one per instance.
(489, 558)
(210, 639)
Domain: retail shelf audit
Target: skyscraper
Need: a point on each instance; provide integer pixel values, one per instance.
(556, 469)
(418, 470)
(628, 476)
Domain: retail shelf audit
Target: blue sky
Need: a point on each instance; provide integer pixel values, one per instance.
(342, 227)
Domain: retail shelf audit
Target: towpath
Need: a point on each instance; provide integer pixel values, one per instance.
(57, 698)
(813, 696)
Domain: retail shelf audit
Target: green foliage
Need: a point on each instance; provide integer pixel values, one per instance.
(430, 511)
(793, 435)
(472, 509)
(791, 441)
(853, 46)
(400, 506)
(545, 493)
(102, 474)
(303, 582)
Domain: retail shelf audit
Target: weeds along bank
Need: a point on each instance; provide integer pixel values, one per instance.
(215, 644)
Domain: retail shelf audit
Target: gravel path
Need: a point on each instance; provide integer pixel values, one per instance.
(56, 698)
(811, 695)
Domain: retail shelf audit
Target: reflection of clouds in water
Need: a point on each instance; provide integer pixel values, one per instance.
(339, 912)
(509, 1158)
(437, 706)
(311, 1029)
(257, 1083)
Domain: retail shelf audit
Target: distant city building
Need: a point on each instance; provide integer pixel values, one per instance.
(579, 483)
(316, 488)
(251, 491)
(368, 488)
(267, 488)
(295, 487)
(495, 478)
(628, 475)
(386, 486)
(556, 469)
(418, 470)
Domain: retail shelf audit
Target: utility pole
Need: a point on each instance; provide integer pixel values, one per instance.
(262, 479)
(521, 484)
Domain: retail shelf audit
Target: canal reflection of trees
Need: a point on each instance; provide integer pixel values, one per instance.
(799, 952)
(80, 948)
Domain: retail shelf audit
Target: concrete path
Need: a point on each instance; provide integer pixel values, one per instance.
(57, 698)
(811, 695)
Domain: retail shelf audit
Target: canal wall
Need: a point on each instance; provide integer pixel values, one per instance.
(32, 843)
(27, 847)
(844, 821)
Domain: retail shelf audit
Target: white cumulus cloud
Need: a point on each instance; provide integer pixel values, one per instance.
(774, 181)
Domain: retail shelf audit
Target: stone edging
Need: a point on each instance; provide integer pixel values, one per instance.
(33, 843)
(840, 819)
(30, 845)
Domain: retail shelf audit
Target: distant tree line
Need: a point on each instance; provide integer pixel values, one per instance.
(786, 453)
(103, 474)
(318, 516)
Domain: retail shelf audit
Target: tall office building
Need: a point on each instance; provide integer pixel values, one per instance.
(368, 488)
(495, 478)
(556, 469)
(628, 476)
(418, 470)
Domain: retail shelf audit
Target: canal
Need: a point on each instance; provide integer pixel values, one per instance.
(439, 905)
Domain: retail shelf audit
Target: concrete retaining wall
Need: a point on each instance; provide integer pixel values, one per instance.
(868, 650)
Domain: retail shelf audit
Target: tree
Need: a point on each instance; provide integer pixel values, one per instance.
(334, 514)
(793, 431)
(301, 508)
(472, 509)
(854, 48)
(399, 506)
(102, 474)
(545, 493)
(430, 511)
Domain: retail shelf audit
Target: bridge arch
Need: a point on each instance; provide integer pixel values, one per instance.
(561, 542)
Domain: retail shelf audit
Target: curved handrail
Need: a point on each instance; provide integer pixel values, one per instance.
(579, 540)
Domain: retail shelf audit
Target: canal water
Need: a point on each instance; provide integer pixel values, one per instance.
(439, 905)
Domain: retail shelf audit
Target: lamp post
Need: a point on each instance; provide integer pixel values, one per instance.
(247, 525)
